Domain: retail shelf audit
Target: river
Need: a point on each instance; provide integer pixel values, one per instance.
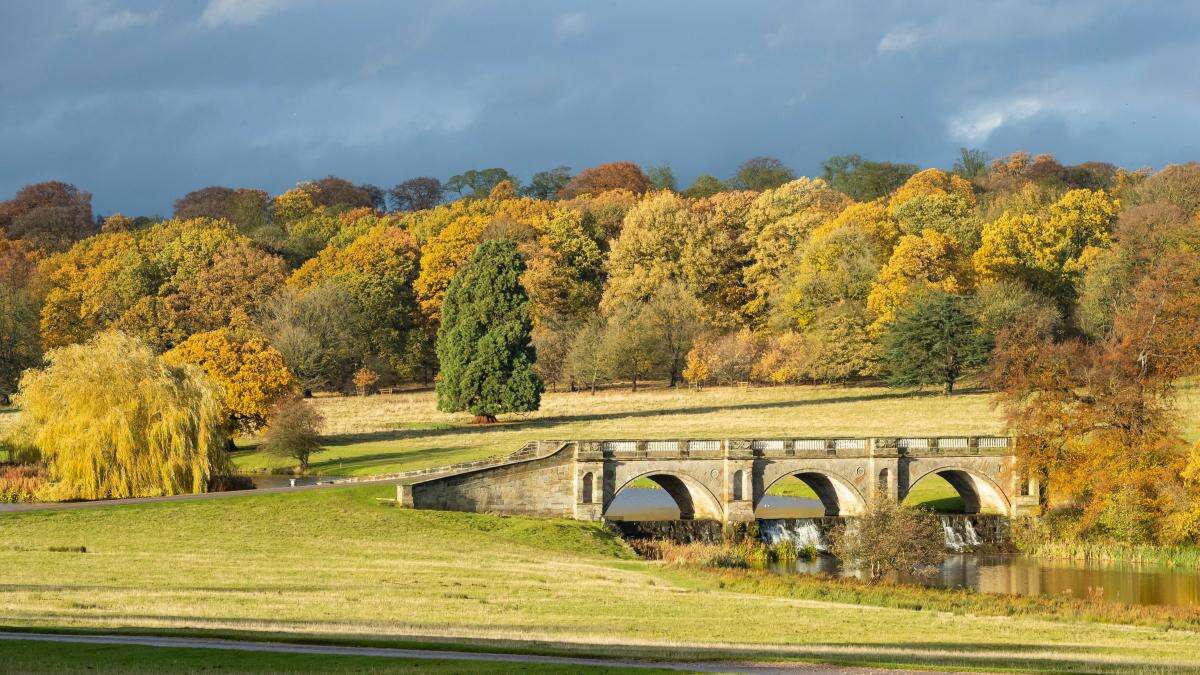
(1015, 574)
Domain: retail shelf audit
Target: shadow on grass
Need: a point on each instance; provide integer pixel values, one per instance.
(980, 655)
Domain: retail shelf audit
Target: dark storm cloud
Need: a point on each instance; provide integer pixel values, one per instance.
(140, 102)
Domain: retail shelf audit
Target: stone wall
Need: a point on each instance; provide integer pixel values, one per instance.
(533, 487)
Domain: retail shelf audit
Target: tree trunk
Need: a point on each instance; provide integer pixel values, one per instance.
(634, 389)
(486, 418)
(949, 387)
(593, 385)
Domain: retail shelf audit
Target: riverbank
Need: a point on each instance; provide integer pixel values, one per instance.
(332, 565)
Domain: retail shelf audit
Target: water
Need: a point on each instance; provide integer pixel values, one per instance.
(655, 504)
(274, 480)
(802, 521)
(1024, 575)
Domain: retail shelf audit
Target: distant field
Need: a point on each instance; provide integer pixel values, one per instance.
(332, 565)
(378, 434)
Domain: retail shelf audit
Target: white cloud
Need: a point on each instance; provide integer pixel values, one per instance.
(100, 17)
(902, 38)
(976, 125)
(570, 25)
(237, 12)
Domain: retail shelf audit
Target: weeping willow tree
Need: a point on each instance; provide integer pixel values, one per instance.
(111, 419)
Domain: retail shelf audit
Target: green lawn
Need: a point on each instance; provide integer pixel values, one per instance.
(334, 565)
(59, 657)
(381, 434)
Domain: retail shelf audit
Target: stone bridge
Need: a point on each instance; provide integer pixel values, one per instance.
(726, 479)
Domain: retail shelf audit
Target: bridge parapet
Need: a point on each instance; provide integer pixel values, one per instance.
(838, 447)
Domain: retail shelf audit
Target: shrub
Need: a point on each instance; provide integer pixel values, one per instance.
(294, 431)
(890, 538)
(21, 483)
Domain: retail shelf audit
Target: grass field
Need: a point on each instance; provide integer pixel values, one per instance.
(334, 565)
(380, 434)
(47, 657)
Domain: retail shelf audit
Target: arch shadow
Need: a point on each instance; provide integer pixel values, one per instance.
(978, 490)
(695, 501)
(837, 495)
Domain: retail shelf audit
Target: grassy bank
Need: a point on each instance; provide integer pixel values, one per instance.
(396, 432)
(57, 657)
(334, 565)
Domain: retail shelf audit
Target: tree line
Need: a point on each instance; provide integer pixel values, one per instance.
(1070, 288)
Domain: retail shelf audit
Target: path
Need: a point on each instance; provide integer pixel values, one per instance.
(431, 654)
(63, 506)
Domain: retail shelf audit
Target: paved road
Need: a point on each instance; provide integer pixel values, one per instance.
(430, 654)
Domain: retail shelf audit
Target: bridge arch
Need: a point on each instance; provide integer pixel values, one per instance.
(694, 499)
(839, 496)
(977, 489)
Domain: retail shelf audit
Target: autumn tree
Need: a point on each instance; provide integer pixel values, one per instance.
(724, 359)
(248, 209)
(890, 538)
(611, 176)
(778, 224)
(547, 184)
(762, 173)
(705, 185)
(251, 372)
(648, 252)
(20, 344)
(1049, 251)
(483, 343)
(376, 271)
(478, 183)
(168, 438)
(239, 278)
(662, 177)
(335, 192)
(416, 194)
(124, 279)
(604, 213)
(715, 253)
(971, 163)
(837, 266)
(51, 215)
(293, 431)
(863, 180)
(930, 261)
(934, 339)
(587, 359)
(1175, 184)
(321, 337)
(935, 200)
(1097, 420)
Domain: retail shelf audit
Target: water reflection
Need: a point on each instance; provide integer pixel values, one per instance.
(655, 504)
(1022, 575)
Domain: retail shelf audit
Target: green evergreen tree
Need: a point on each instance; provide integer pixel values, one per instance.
(934, 340)
(484, 345)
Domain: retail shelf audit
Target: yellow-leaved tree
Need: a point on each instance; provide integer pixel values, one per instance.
(1049, 251)
(647, 254)
(778, 224)
(111, 419)
(931, 260)
(934, 199)
(251, 372)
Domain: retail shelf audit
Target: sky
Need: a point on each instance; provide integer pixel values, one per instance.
(139, 102)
